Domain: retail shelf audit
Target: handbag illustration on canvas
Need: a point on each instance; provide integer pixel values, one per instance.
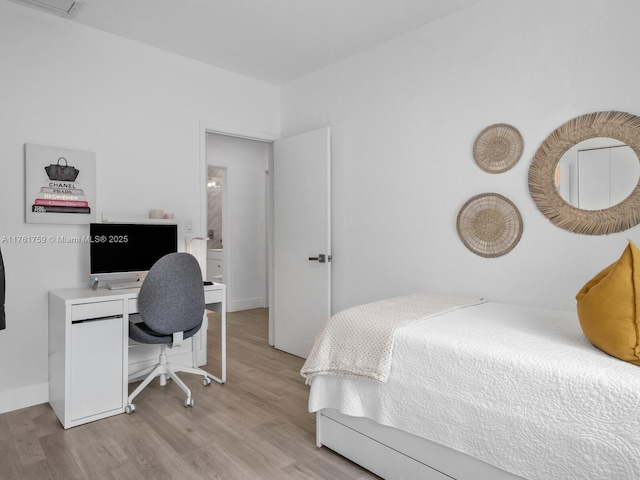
(62, 193)
(62, 173)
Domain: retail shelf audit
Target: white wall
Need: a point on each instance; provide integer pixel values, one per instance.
(244, 225)
(404, 116)
(141, 111)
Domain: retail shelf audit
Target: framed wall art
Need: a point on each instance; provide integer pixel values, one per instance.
(60, 185)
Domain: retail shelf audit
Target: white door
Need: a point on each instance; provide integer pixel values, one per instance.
(302, 240)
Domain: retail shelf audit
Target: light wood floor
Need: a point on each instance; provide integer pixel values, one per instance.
(256, 426)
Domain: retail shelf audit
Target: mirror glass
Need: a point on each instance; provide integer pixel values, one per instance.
(597, 173)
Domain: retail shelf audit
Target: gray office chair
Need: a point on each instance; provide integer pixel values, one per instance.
(171, 306)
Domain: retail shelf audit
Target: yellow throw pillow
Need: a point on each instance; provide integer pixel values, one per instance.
(608, 307)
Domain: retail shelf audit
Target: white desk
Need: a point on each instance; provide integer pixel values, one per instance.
(90, 355)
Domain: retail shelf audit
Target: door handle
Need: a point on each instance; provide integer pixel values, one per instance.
(321, 258)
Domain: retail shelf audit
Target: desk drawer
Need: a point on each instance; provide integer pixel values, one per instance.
(88, 311)
(133, 305)
(212, 296)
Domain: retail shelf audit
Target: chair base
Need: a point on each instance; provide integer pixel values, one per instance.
(165, 371)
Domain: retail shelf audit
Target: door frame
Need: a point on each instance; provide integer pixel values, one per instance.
(249, 134)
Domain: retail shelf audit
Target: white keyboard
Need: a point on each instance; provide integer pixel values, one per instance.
(121, 285)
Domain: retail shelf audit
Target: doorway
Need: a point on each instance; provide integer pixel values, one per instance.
(211, 134)
(236, 218)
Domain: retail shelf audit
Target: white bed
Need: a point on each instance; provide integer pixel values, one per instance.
(490, 391)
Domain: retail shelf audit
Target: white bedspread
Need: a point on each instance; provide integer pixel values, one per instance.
(358, 342)
(517, 387)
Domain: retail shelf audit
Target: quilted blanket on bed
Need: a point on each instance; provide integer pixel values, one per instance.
(518, 387)
(358, 342)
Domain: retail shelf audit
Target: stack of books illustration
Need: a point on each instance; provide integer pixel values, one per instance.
(61, 193)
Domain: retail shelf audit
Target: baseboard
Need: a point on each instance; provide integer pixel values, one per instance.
(245, 304)
(24, 397)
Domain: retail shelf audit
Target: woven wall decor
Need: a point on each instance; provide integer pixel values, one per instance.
(621, 126)
(497, 148)
(489, 225)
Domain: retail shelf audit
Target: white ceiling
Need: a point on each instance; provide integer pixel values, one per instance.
(273, 40)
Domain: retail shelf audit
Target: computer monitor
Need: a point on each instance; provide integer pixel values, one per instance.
(127, 251)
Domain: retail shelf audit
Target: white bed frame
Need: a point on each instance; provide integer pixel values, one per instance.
(396, 455)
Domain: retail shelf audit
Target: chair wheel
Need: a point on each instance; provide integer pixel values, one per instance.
(206, 382)
(188, 402)
(130, 408)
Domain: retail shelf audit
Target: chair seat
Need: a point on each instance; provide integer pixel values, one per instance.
(139, 332)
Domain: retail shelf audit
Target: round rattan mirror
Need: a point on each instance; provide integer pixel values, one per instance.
(543, 172)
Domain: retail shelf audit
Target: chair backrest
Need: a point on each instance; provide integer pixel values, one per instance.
(171, 298)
